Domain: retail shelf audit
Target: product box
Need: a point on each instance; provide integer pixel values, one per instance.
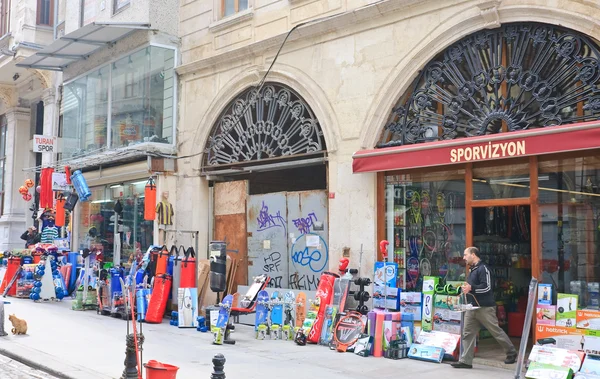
(389, 274)
(446, 301)
(546, 371)
(591, 343)
(426, 353)
(429, 283)
(559, 336)
(581, 375)
(591, 365)
(556, 356)
(545, 294)
(427, 319)
(546, 314)
(390, 301)
(445, 320)
(588, 319)
(410, 302)
(593, 295)
(448, 341)
(187, 300)
(566, 310)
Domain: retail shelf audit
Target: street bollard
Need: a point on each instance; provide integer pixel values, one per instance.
(2, 332)
(218, 363)
(131, 368)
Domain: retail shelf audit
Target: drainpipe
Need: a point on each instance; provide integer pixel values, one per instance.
(55, 28)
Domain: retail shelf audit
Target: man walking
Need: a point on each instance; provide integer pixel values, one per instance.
(479, 292)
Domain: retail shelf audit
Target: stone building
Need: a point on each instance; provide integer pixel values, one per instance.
(278, 98)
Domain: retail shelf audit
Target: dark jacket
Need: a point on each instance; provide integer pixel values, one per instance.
(31, 239)
(480, 279)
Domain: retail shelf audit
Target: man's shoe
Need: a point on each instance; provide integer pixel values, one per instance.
(510, 359)
(460, 365)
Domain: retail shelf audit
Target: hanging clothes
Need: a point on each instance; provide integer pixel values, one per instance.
(46, 200)
(49, 234)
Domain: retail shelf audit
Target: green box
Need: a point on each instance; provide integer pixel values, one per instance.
(429, 284)
(545, 371)
(566, 310)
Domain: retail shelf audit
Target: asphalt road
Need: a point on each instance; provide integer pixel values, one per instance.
(15, 370)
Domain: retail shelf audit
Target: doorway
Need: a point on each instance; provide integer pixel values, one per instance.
(503, 236)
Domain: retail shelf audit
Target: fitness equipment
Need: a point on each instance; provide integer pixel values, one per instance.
(361, 295)
(218, 267)
(159, 298)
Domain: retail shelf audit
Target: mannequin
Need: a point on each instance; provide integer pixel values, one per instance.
(164, 210)
(50, 231)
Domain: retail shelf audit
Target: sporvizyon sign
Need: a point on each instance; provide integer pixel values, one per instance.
(45, 144)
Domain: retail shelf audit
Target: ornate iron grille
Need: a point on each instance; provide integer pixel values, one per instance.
(520, 76)
(274, 122)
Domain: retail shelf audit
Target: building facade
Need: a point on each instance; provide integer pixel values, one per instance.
(118, 105)
(353, 76)
(28, 106)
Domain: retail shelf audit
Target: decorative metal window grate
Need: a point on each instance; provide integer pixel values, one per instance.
(274, 122)
(520, 76)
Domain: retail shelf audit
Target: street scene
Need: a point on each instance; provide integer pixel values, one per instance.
(299, 188)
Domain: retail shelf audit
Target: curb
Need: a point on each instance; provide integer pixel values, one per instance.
(33, 364)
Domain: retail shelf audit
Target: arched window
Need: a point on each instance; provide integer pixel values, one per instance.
(272, 123)
(519, 76)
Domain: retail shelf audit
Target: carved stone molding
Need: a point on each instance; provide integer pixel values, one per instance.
(8, 96)
(489, 12)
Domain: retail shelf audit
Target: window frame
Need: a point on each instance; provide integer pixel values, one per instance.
(4, 17)
(236, 8)
(50, 13)
(117, 8)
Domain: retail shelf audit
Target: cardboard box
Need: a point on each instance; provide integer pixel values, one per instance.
(427, 315)
(591, 365)
(429, 284)
(426, 353)
(546, 314)
(559, 336)
(566, 310)
(556, 356)
(390, 301)
(591, 344)
(545, 371)
(445, 301)
(582, 375)
(545, 294)
(447, 341)
(389, 274)
(445, 320)
(410, 302)
(588, 319)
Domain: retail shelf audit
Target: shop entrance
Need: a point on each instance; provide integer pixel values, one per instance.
(502, 234)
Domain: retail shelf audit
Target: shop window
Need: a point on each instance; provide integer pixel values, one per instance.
(4, 16)
(509, 179)
(3, 127)
(96, 221)
(141, 104)
(45, 12)
(425, 225)
(120, 4)
(569, 215)
(230, 7)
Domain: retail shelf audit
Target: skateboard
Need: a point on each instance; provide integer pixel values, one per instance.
(262, 311)
(300, 309)
(276, 316)
(311, 316)
(328, 325)
(288, 325)
(236, 300)
(247, 300)
(220, 329)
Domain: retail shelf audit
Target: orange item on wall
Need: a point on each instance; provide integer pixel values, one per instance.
(150, 200)
(59, 218)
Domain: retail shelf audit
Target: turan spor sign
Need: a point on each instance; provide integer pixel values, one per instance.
(45, 144)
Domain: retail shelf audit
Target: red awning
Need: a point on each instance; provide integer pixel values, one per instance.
(556, 139)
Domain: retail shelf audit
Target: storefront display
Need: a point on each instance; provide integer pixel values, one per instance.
(97, 230)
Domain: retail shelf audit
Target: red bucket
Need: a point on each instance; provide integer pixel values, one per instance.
(158, 370)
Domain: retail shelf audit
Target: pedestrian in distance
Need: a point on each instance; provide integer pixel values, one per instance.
(480, 293)
(31, 236)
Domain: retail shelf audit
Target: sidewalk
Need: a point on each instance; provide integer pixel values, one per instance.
(87, 345)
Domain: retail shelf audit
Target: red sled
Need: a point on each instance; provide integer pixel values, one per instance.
(324, 294)
(158, 299)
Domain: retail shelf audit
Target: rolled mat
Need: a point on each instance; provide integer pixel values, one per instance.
(324, 294)
(159, 298)
(371, 320)
(141, 299)
(378, 340)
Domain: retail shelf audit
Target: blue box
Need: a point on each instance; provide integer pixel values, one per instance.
(545, 294)
(426, 353)
(389, 275)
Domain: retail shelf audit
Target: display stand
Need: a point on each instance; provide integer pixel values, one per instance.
(47, 291)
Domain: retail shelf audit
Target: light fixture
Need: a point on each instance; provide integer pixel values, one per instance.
(101, 201)
(117, 185)
(517, 180)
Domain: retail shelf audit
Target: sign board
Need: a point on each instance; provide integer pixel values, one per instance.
(45, 144)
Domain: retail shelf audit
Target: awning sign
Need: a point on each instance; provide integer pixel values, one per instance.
(45, 144)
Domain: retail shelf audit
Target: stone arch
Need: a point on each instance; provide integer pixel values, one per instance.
(462, 24)
(305, 87)
(44, 78)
